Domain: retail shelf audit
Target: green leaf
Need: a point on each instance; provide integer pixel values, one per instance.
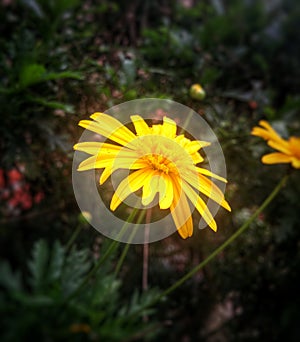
(76, 265)
(53, 104)
(36, 73)
(38, 264)
(9, 280)
(33, 301)
(56, 262)
(59, 75)
(31, 74)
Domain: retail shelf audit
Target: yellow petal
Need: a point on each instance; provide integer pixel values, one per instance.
(87, 164)
(112, 162)
(207, 187)
(125, 152)
(210, 174)
(88, 147)
(150, 189)
(169, 127)
(296, 163)
(294, 144)
(180, 138)
(260, 132)
(94, 163)
(186, 230)
(140, 125)
(105, 158)
(129, 163)
(269, 128)
(211, 190)
(180, 211)
(166, 193)
(195, 145)
(197, 158)
(109, 127)
(276, 158)
(200, 205)
(111, 166)
(128, 185)
(97, 148)
(156, 129)
(280, 145)
(105, 174)
(267, 132)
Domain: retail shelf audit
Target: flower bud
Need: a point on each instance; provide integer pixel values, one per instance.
(197, 92)
(84, 216)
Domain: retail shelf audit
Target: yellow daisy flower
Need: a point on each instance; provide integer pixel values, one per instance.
(159, 160)
(289, 150)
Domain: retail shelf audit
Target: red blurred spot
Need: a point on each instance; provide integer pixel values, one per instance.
(2, 180)
(14, 176)
(252, 104)
(38, 197)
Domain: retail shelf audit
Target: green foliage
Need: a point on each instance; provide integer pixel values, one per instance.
(31, 70)
(39, 305)
(36, 73)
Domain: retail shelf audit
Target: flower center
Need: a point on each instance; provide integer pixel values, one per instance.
(161, 163)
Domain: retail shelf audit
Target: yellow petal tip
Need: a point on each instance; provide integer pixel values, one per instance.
(95, 115)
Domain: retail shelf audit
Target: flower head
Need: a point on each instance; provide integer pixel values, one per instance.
(160, 162)
(289, 150)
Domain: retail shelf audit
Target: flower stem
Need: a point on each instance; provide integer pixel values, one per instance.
(112, 247)
(146, 255)
(246, 225)
(267, 201)
(126, 248)
(73, 237)
(146, 250)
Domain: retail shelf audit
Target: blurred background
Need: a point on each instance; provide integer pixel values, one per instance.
(62, 60)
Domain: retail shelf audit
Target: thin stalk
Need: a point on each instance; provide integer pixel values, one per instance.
(146, 255)
(234, 236)
(126, 248)
(146, 250)
(246, 225)
(73, 237)
(112, 247)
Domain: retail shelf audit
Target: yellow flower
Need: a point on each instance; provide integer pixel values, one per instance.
(159, 160)
(289, 150)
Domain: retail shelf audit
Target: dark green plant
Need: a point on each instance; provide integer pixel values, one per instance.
(39, 304)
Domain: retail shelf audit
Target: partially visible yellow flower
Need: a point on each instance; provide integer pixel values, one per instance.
(289, 150)
(160, 162)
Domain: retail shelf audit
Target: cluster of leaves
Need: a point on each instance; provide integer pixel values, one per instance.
(40, 304)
